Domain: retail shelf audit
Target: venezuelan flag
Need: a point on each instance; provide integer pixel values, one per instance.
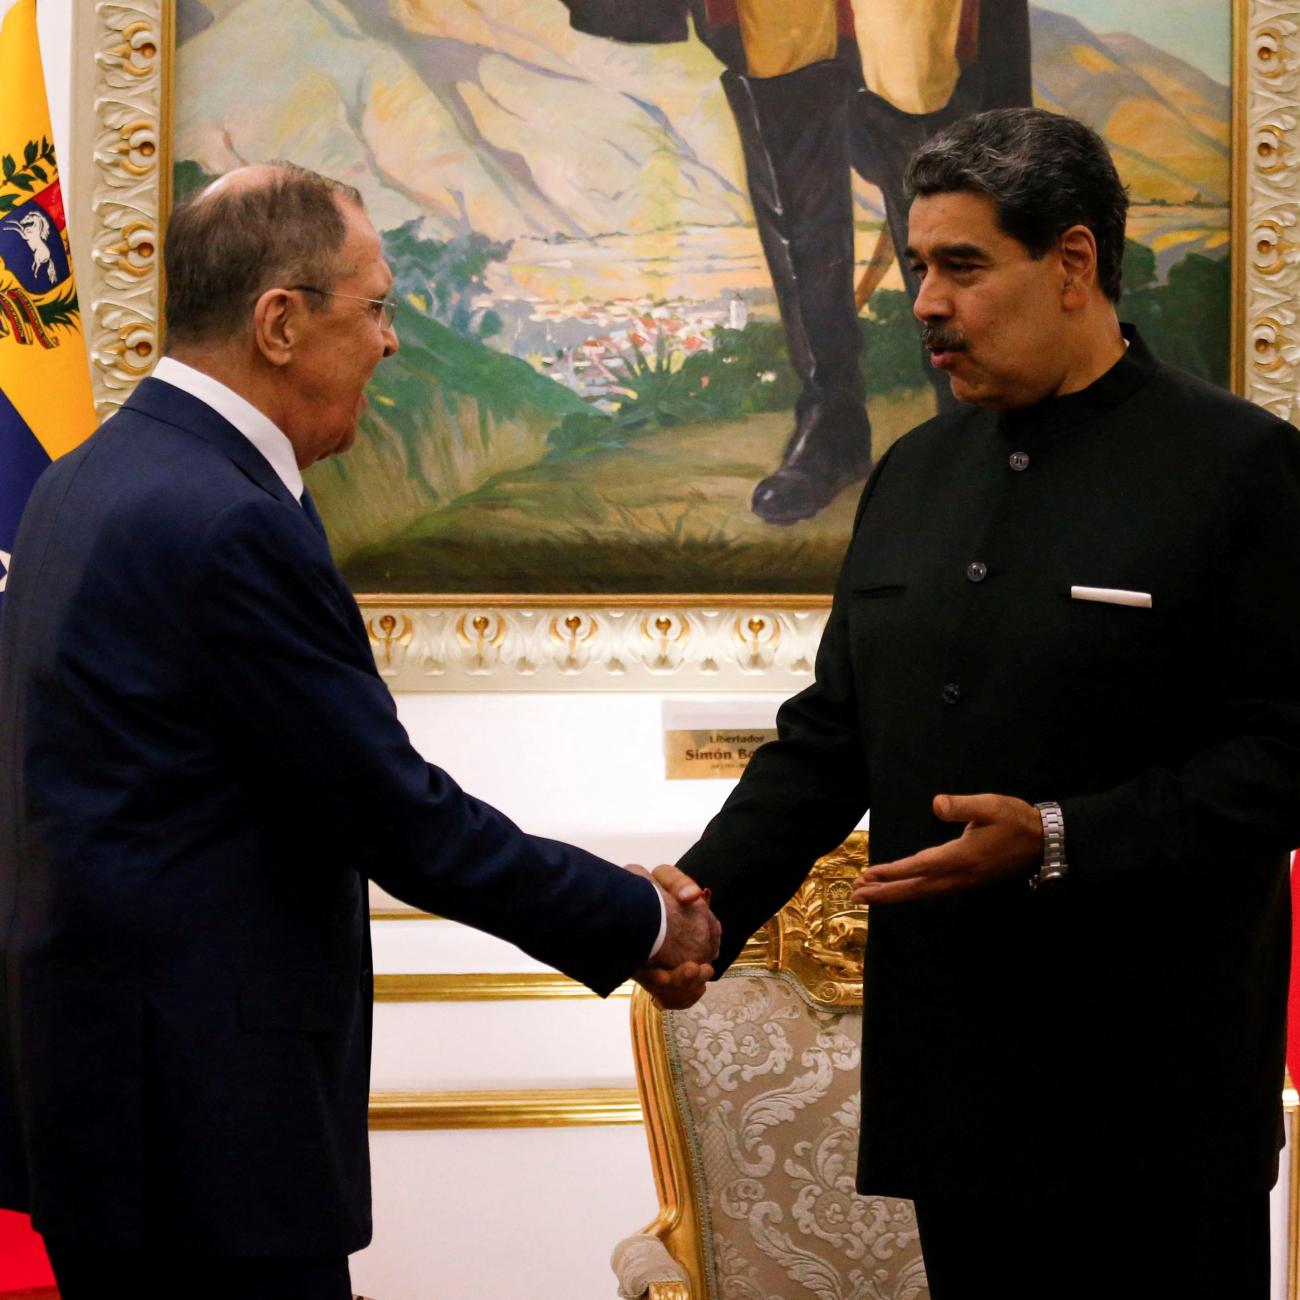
(45, 402)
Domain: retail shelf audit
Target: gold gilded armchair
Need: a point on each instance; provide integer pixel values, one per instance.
(751, 1102)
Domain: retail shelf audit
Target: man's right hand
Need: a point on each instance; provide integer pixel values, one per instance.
(679, 971)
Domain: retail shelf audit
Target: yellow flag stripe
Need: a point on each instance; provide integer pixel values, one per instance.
(46, 377)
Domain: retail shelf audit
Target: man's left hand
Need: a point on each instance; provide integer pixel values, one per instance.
(1003, 840)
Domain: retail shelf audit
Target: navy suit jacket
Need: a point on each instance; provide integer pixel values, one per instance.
(199, 769)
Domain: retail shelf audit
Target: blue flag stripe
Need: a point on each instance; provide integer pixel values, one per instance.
(22, 458)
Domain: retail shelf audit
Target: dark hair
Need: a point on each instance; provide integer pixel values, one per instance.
(1044, 173)
(223, 250)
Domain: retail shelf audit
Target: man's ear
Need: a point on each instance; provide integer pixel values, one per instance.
(276, 317)
(1077, 249)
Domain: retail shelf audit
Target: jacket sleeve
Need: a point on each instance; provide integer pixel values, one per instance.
(1239, 795)
(800, 795)
(295, 698)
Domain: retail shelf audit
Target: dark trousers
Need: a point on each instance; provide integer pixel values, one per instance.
(94, 1273)
(1107, 1245)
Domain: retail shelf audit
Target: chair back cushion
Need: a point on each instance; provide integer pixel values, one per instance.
(767, 1087)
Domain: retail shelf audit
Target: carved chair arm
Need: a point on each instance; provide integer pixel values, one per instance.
(646, 1271)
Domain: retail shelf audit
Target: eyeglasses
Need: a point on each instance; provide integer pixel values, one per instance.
(387, 306)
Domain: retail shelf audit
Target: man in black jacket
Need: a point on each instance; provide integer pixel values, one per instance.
(1062, 670)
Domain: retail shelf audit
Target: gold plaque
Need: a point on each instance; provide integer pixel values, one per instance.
(713, 753)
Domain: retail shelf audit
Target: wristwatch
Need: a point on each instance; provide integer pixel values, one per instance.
(1053, 866)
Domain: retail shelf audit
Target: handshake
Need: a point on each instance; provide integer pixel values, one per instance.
(677, 973)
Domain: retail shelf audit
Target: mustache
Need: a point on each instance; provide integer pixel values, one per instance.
(942, 338)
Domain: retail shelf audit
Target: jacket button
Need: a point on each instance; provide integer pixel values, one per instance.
(1019, 460)
(977, 571)
(951, 693)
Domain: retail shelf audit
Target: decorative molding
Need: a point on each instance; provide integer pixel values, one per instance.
(821, 934)
(819, 938)
(479, 986)
(641, 643)
(646, 646)
(542, 1108)
(1266, 243)
(131, 189)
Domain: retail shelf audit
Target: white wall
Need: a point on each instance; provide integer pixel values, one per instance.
(584, 767)
(493, 1215)
(54, 23)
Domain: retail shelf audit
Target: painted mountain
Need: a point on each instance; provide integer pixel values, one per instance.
(515, 125)
(1167, 123)
(506, 126)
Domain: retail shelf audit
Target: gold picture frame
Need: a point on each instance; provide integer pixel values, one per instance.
(122, 72)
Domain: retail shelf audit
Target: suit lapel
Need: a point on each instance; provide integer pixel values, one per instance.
(173, 406)
(170, 405)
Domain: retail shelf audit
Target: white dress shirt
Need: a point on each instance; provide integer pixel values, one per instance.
(277, 450)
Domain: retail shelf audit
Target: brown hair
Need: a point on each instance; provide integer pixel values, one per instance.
(223, 250)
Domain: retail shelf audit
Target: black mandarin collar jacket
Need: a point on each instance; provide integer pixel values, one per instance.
(1129, 1025)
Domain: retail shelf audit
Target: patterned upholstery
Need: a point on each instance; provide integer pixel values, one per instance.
(752, 1111)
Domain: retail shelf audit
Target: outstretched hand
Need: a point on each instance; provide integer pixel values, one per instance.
(679, 971)
(1003, 840)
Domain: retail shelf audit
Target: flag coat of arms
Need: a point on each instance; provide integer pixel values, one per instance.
(45, 401)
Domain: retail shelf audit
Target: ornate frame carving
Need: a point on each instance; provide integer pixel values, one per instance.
(819, 937)
(123, 64)
(123, 55)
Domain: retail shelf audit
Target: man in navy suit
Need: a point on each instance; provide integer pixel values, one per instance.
(200, 768)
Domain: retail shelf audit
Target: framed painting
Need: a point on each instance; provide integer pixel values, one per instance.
(619, 295)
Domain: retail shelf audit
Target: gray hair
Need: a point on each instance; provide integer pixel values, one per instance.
(228, 244)
(1044, 173)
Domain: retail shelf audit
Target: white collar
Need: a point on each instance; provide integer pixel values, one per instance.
(267, 437)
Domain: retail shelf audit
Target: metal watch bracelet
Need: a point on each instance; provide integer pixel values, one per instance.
(1053, 866)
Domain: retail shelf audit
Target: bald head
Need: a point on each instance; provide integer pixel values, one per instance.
(250, 177)
(257, 227)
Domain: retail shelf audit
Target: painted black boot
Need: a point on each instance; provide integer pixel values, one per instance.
(794, 133)
(829, 449)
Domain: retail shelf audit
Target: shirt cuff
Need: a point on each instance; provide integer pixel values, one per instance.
(663, 923)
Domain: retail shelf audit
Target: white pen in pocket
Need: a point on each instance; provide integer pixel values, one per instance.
(1112, 596)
